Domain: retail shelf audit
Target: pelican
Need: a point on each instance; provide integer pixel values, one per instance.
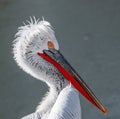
(36, 51)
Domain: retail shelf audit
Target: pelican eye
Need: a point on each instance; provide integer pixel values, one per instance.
(50, 45)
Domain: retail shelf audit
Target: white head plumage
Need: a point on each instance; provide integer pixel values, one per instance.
(30, 39)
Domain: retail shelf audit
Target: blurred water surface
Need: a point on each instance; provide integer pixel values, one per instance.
(89, 35)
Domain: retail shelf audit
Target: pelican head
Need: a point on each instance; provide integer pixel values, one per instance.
(36, 51)
(36, 37)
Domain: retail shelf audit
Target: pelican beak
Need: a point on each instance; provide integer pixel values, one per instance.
(54, 57)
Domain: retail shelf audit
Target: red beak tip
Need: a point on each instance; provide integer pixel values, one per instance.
(105, 112)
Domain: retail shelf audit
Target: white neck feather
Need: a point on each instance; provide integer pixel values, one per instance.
(47, 103)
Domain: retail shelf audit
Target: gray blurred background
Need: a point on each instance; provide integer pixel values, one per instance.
(88, 32)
